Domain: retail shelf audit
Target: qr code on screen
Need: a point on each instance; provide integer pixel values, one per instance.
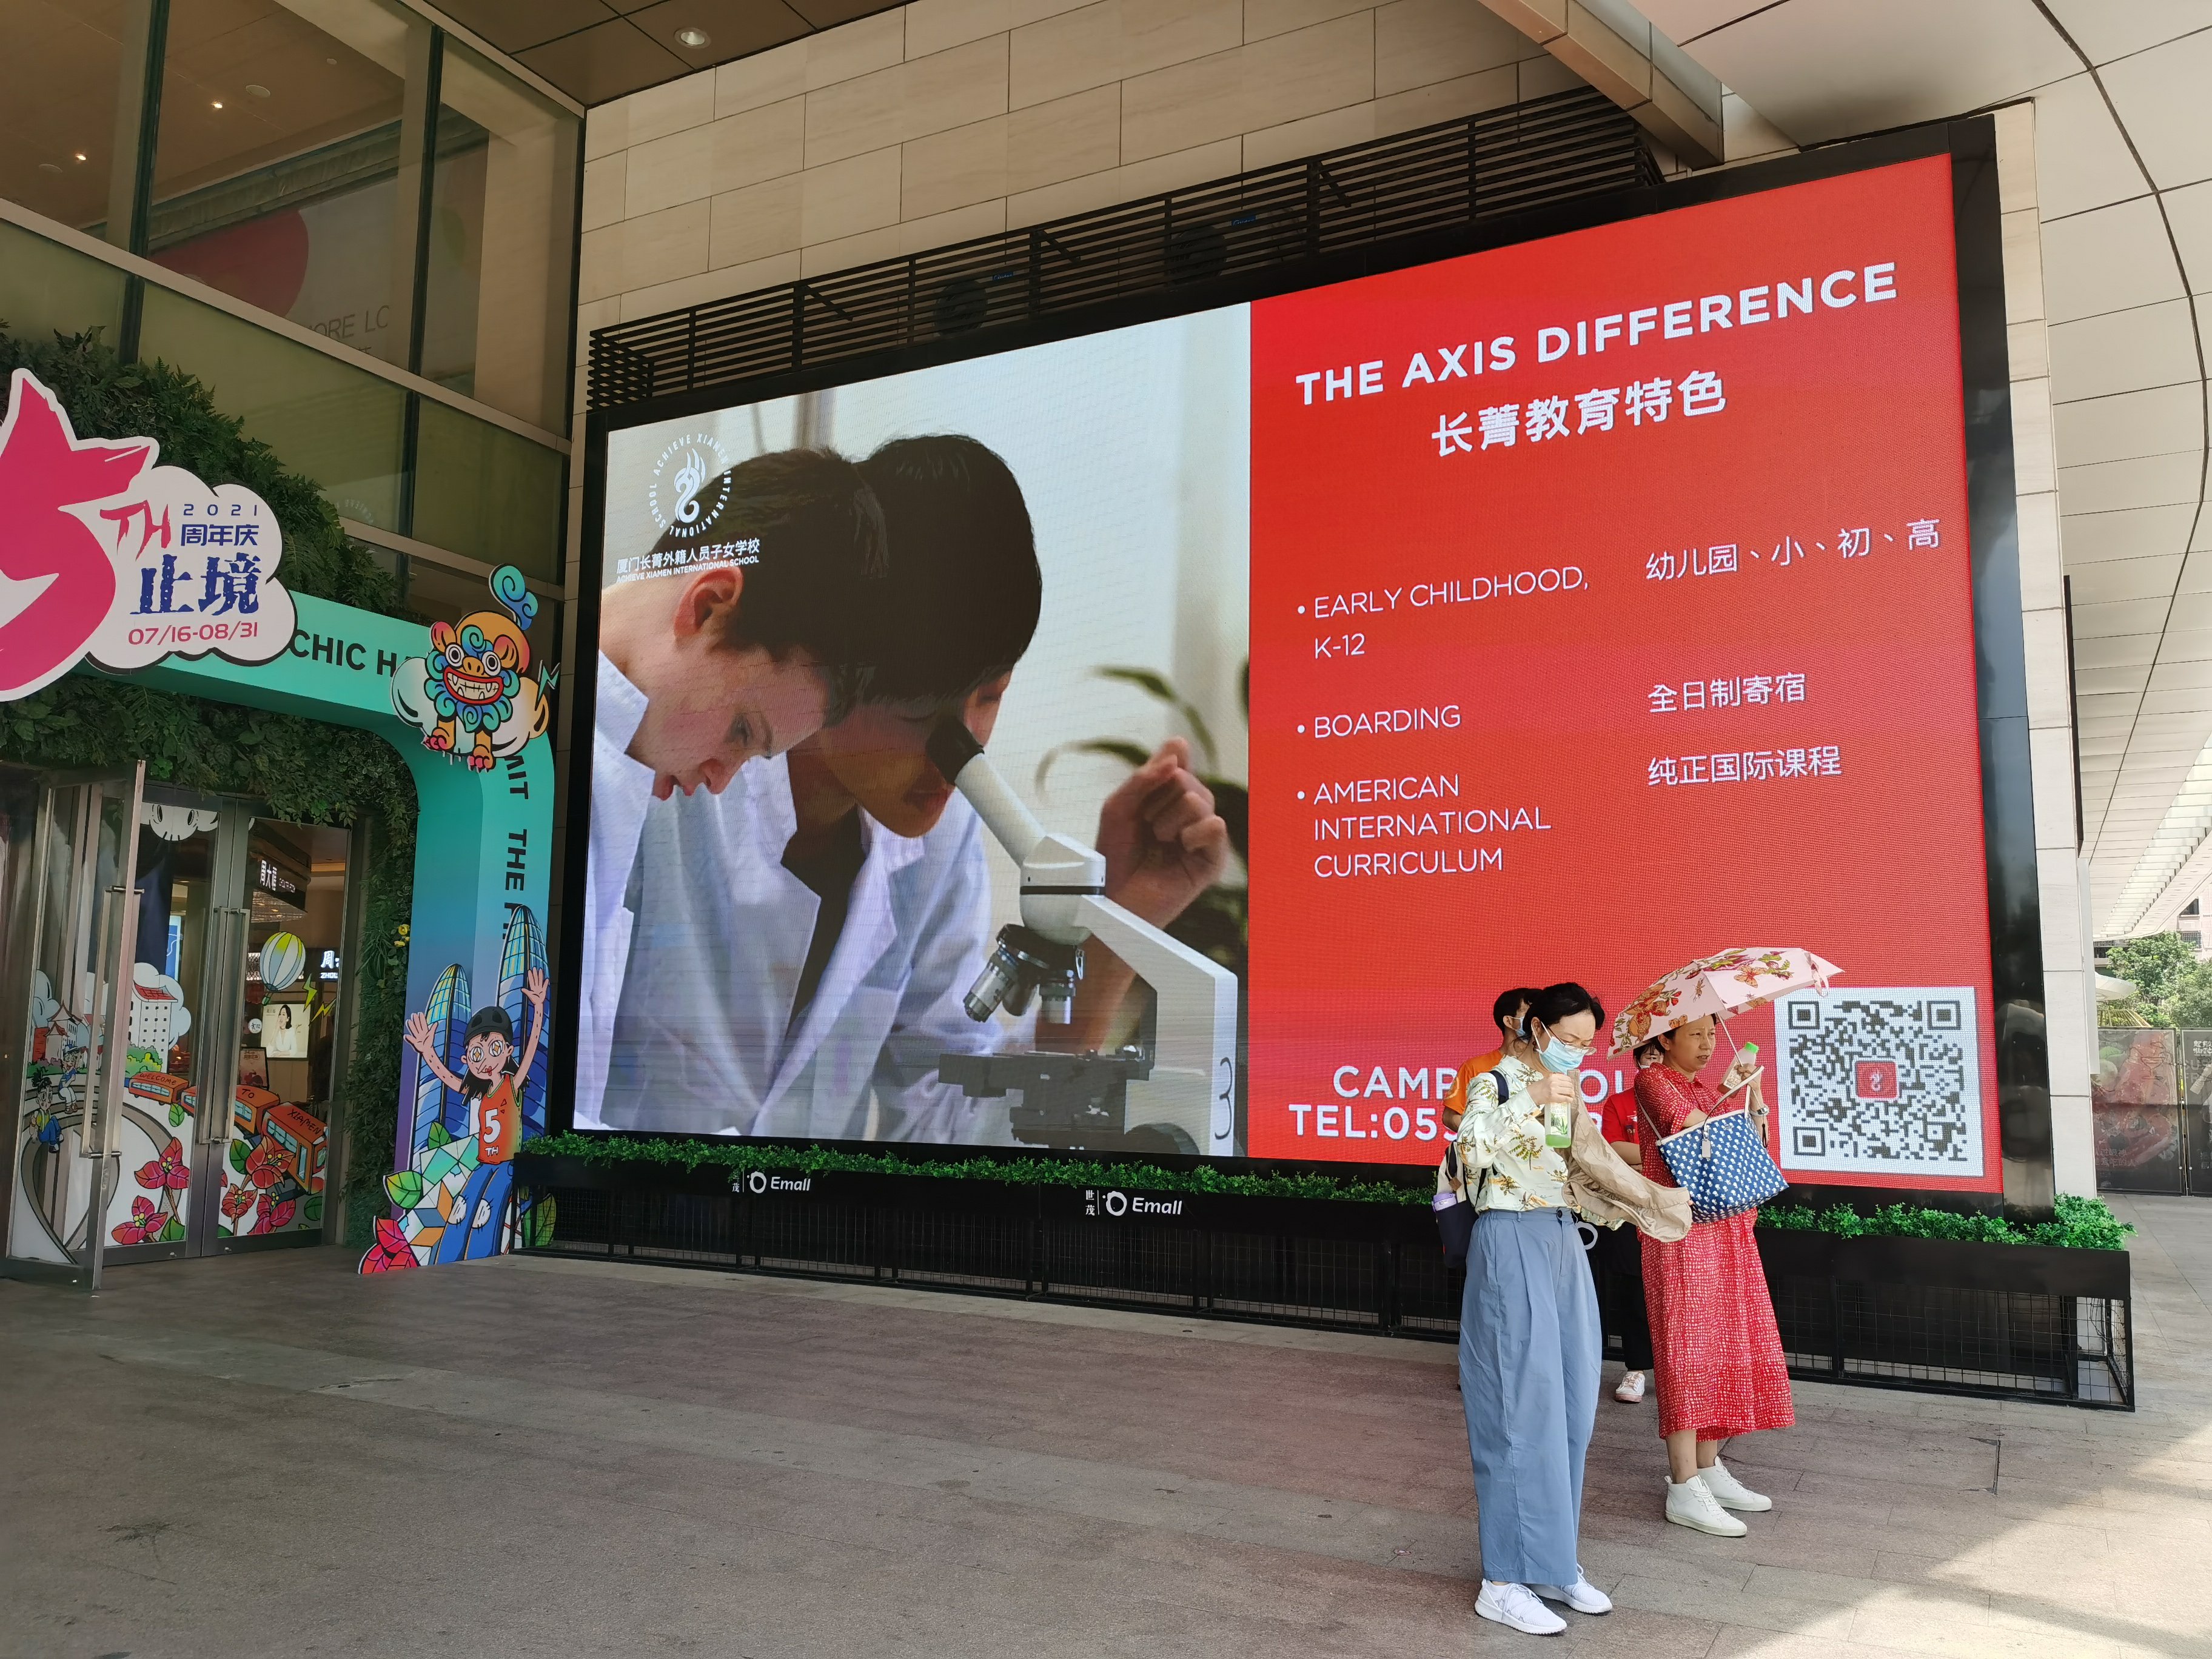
(1880, 1082)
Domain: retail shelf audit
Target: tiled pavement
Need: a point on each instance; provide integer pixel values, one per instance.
(265, 1455)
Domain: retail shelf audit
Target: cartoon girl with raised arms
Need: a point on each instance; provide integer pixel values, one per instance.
(490, 1054)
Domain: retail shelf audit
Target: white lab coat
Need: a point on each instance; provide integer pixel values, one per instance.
(621, 789)
(703, 1043)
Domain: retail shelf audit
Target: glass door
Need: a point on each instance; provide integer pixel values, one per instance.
(284, 1036)
(81, 919)
(175, 974)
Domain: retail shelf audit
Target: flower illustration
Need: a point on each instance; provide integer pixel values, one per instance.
(263, 1165)
(270, 1217)
(391, 1253)
(237, 1200)
(145, 1222)
(168, 1171)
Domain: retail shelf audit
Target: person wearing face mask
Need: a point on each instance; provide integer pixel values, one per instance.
(804, 939)
(1721, 1371)
(1529, 1347)
(729, 639)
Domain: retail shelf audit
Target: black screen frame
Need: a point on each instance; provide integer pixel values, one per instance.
(2000, 646)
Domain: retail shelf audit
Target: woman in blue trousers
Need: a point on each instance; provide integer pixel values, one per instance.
(1529, 1347)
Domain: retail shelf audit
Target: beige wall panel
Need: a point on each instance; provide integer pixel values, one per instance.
(1445, 100)
(670, 107)
(767, 77)
(752, 223)
(930, 94)
(1129, 184)
(932, 26)
(951, 119)
(603, 191)
(1354, 124)
(658, 247)
(1281, 79)
(856, 49)
(1064, 139)
(1419, 42)
(849, 197)
(1263, 18)
(953, 169)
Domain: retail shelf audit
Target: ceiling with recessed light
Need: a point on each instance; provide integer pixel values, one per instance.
(595, 50)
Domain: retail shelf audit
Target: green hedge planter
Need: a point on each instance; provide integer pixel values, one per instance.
(2080, 1223)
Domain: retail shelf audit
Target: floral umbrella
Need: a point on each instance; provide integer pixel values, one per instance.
(1719, 985)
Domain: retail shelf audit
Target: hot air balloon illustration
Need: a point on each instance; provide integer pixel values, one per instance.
(284, 958)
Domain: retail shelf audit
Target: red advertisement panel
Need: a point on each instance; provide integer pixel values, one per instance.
(1611, 607)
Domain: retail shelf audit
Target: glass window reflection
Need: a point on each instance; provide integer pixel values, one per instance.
(343, 427)
(486, 493)
(503, 208)
(279, 176)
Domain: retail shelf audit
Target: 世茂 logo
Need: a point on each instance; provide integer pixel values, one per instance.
(690, 485)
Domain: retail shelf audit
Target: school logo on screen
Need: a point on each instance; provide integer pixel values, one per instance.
(1877, 1079)
(690, 485)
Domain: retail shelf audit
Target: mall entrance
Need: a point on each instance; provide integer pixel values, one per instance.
(172, 981)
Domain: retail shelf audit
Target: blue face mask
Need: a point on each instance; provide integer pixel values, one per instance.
(1559, 1056)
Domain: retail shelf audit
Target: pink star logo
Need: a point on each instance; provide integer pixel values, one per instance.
(57, 581)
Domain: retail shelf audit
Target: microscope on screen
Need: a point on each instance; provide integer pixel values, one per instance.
(1173, 1089)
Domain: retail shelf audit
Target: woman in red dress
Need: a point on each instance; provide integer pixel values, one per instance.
(1720, 1366)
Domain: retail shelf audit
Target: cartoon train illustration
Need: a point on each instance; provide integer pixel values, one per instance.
(304, 1144)
(249, 1110)
(164, 1089)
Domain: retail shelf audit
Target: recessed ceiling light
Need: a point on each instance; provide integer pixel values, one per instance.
(694, 39)
(218, 103)
(331, 61)
(257, 89)
(80, 156)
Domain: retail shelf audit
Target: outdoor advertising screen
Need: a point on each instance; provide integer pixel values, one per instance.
(1572, 609)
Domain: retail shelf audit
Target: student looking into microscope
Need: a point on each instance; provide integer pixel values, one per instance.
(804, 939)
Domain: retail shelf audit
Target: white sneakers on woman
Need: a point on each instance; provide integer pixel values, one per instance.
(1731, 1493)
(1515, 1606)
(1629, 1390)
(1582, 1596)
(1691, 1504)
(1521, 1606)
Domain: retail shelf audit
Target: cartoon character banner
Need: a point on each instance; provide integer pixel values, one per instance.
(470, 697)
(478, 1092)
(105, 553)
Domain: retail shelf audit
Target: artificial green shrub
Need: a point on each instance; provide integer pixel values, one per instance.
(2081, 1223)
(739, 1157)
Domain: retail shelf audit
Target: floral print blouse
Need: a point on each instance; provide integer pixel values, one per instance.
(1507, 1141)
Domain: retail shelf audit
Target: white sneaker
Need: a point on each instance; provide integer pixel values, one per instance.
(1731, 1493)
(1516, 1606)
(1629, 1390)
(1582, 1596)
(1692, 1504)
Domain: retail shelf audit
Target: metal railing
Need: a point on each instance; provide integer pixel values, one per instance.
(1435, 179)
(2014, 1323)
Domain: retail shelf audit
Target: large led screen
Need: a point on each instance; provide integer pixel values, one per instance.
(1569, 610)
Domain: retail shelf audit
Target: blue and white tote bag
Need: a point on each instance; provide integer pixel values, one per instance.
(1723, 1165)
